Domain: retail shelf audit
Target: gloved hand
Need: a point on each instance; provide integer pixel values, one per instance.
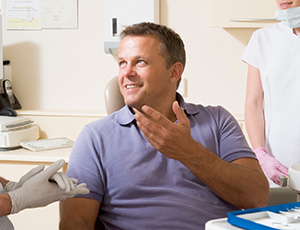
(11, 185)
(272, 167)
(44, 188)
(63, 181)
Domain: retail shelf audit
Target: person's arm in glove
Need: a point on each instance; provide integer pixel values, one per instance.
(255, 124)
(5, 204)
(272, 167)
(5, 201)
(11, 185)
(44, 188)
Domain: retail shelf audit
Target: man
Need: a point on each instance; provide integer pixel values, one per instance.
(37, 188)
(160, 163)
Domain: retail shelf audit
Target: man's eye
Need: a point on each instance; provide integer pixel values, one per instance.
(141, 62)
(121, 63)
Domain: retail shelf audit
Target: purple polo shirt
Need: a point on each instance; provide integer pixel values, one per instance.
(140, 188)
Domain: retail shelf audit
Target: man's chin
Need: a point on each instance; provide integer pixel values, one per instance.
(134, 106)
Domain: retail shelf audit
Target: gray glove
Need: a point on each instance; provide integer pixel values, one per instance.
(44, 188)
(11, 185)
(64, 182)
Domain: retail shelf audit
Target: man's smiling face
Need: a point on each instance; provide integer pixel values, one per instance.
(144, 78)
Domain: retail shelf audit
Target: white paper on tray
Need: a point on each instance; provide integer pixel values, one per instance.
(288, 221)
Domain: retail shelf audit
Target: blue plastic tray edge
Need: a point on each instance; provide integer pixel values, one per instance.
(250, 225)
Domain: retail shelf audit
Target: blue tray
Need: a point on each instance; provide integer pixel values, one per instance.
(234, 219)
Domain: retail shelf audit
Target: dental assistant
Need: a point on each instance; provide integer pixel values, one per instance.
(272, 109)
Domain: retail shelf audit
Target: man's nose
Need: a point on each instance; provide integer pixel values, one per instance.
(129, 71)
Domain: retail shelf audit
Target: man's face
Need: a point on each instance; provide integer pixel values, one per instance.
(286, 4)
(143, 75)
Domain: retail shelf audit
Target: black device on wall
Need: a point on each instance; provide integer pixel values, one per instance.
(7, 98)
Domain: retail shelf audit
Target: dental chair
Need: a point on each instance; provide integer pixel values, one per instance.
(113, 97)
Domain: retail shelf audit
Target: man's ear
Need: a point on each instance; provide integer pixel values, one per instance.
(176, 72)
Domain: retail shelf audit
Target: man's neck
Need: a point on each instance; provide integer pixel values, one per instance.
(165, 110)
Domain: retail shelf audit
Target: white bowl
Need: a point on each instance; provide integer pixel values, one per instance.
(294, 177)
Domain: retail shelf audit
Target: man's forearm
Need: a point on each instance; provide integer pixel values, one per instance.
(241, 183)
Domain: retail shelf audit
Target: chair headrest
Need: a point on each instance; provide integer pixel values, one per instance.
(113, 97)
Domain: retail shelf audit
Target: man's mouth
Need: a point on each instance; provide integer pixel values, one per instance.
(131, 86)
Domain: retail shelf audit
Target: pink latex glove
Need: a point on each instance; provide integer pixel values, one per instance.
(272, 167)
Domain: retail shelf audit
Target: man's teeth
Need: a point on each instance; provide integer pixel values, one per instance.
(132, 86)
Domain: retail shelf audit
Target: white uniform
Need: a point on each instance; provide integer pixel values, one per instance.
(275, 51)
(5, 223)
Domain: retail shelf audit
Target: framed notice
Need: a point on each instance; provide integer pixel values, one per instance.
(41, 14)
(23, 14)
(59, 14)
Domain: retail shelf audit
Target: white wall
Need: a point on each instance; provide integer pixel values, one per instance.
(68, 69)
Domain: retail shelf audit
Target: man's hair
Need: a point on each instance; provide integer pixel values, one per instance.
(172, 45)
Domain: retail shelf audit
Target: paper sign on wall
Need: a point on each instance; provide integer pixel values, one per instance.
(41, 14)
(59, 14)
(23, 14)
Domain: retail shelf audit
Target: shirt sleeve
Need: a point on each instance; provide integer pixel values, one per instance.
(233, 144)
(85, 165)
(251, 53)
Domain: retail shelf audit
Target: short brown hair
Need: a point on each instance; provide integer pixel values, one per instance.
(171, 43)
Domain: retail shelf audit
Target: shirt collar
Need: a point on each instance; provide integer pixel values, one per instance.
(124, 116)
(188, 108)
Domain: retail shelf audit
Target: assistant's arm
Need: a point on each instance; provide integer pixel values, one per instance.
(254, 111)
(5, 204)
(241, 182)
(79, 213)
(3, 182)
(255, 124)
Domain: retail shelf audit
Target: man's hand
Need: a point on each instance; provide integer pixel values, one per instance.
(44, 188)
(172, 139)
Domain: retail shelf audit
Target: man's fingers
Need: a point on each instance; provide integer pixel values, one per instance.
(181, 117)
(154, 115)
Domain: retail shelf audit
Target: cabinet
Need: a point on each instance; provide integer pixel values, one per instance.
(242, 13)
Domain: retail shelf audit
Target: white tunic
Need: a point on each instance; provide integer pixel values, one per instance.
(275, 51)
